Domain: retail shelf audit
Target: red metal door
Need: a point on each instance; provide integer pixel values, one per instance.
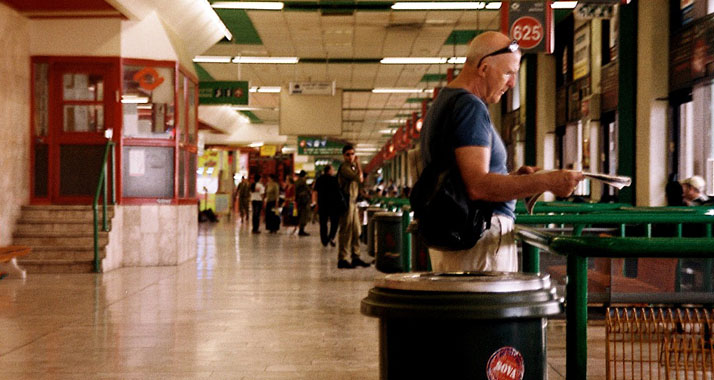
(82, 106)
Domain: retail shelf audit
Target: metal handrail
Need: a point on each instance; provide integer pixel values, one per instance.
(95, 205)
(578, 249)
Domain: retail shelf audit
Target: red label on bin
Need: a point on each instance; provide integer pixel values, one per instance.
(505, 364)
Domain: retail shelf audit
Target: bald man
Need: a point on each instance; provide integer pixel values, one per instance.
(458, 130)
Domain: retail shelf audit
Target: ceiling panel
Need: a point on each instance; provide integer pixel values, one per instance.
(361, 35)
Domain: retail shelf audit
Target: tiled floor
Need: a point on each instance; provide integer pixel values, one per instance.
(250, 307)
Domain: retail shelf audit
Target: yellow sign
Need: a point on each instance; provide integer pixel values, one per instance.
(268, 150)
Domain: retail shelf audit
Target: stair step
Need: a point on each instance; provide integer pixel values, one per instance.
(63, 212)
(73, 226)
(42, 238)
(57, 266)
(63, 253)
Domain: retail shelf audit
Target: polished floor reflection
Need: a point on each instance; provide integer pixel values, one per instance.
(249, 307)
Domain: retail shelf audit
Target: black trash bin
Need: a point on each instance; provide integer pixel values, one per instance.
(370, 228)
(469, 325)
(388, 241)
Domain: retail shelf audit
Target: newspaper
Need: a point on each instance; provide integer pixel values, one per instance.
(613, 180)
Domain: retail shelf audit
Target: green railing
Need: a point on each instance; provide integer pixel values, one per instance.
(578, 249)
(102, 185)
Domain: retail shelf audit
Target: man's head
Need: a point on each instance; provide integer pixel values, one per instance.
(492, 64)
(692, 187)
(329, 170)
(348, 153)
(302, 174)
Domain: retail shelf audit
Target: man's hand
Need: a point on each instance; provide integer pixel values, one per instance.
(525, 170)
(563, 182)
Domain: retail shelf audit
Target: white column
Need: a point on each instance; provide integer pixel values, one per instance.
(652, 83)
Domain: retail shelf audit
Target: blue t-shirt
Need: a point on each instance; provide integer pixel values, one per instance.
(473, 127)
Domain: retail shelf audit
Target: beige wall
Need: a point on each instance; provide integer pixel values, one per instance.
(14, 119)
(82, 37)
(652, 83)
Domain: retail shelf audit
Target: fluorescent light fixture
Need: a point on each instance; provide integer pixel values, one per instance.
(259, 5)
(241, 59)
(265, 89)
(429, 91)
(256, 144)
(413, 60)
(387, 131)
(134, 99)
(212, 59)
(494, 5)
(394, 121)
(367, 150)
(456, 60)
(563, 4)
(396, 90)
(435, 5)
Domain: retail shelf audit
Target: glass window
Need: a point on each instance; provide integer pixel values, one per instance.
(148, 171)
(81, 86)
(83, 118)
(148, 102)
(192, 112)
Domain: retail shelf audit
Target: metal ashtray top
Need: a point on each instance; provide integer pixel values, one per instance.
(474, 282)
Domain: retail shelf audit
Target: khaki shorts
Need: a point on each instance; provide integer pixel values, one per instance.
(495, 251)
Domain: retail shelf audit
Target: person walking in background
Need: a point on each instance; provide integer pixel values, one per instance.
(328, 196)
(243, 195)
(272, 212)
(257, 194)
(303, 198)
(349, 178)
(290, 216)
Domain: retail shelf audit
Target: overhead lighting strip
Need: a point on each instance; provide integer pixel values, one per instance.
(396, 90)
(265, 89)
(294, 60)
(564, 4)
(255, 5)
(278, 60)
(438, 5)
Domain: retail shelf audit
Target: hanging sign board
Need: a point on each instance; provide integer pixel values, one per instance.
(318, 146)
(223, 92)
(530, 23)
(268, 150)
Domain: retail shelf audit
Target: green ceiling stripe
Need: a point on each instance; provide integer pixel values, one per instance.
(242, 29)
(253, 118)
(461, 37)
(202, 73)
(415, 100)
(434, 77)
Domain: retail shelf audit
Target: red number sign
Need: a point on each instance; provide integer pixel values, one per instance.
(528, 31)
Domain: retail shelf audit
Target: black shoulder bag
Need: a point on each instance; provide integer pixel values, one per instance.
(447, 219)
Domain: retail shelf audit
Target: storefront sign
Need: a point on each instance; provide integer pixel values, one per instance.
(223, 92)
(317, 146)
(581, 56)
(530, 23)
